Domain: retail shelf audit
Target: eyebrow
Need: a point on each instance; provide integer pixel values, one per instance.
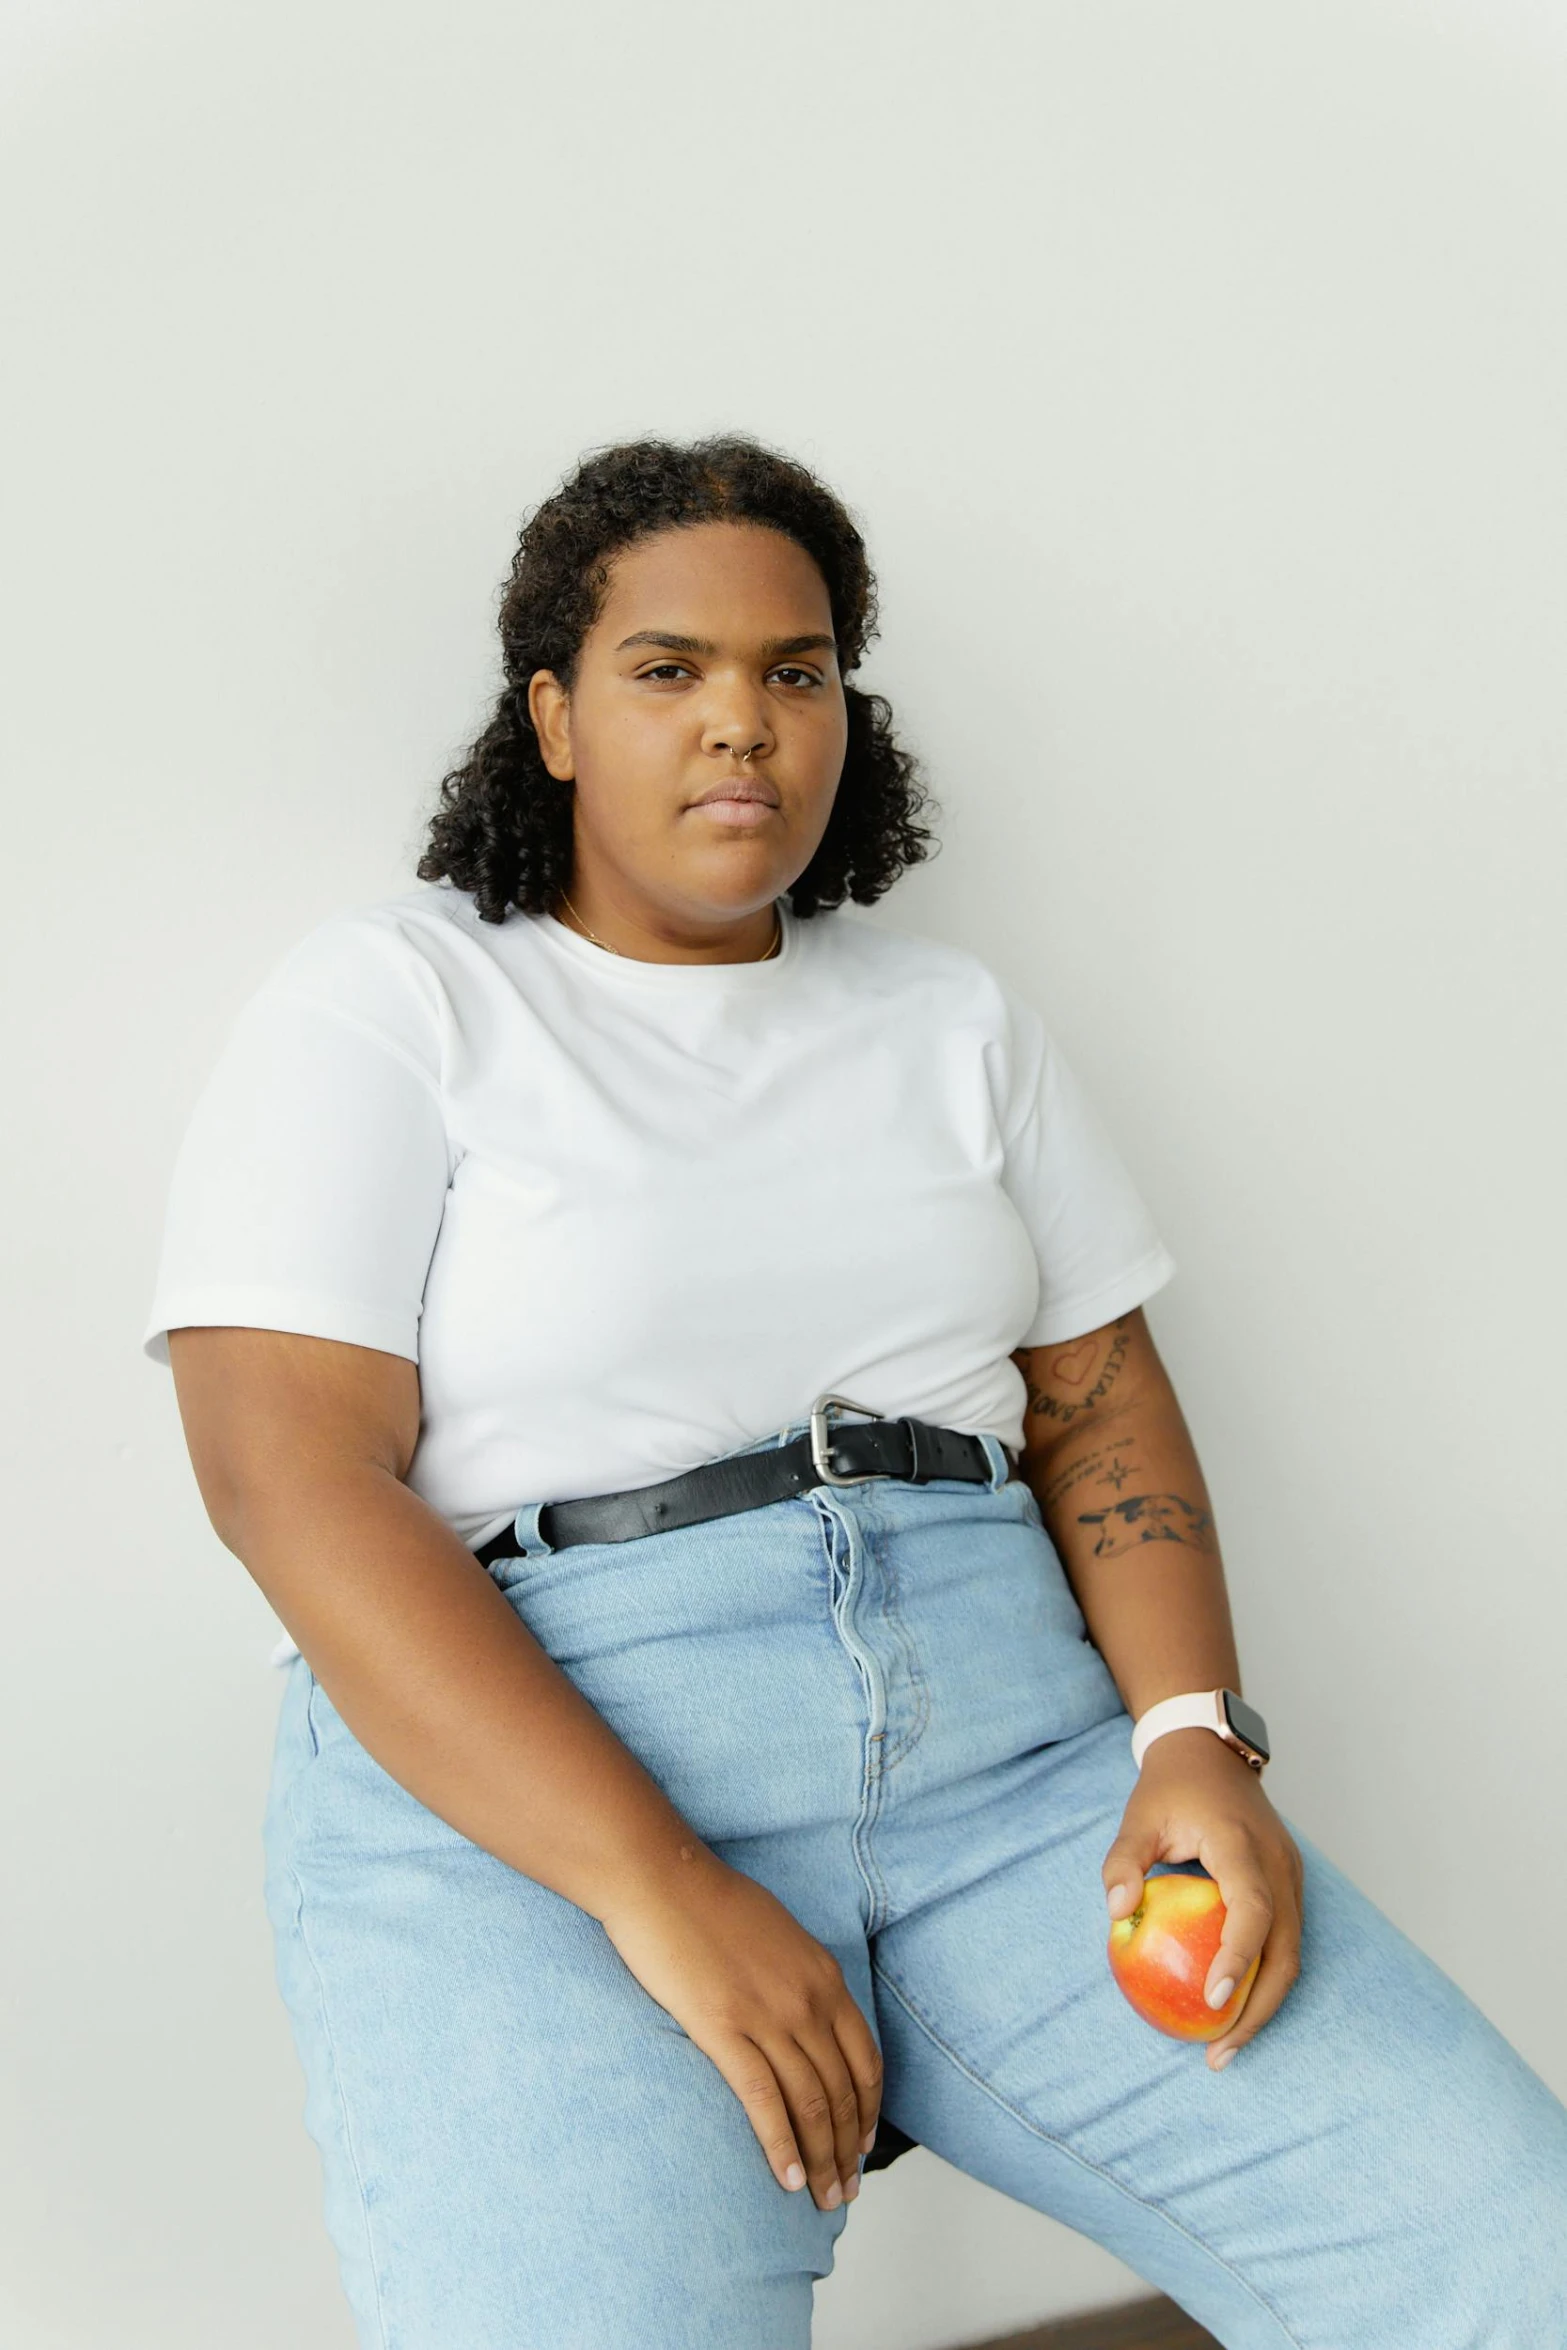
(773, 647)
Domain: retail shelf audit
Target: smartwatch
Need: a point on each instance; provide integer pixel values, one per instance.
(1224, 1711)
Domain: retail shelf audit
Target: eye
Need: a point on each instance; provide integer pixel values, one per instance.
(809, 676)
(663, 669)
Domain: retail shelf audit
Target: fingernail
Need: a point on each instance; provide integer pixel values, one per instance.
(833, 2196)
(852, 2189)
(1117, 1895)
(1221, 1991)
(1220, 2062)
(867, 2142)
(794, 2176)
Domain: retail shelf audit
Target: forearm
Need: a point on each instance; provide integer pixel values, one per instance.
(443, 1684)
(1124, 1502)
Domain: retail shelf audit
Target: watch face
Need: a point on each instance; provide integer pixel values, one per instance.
(1246, 1722)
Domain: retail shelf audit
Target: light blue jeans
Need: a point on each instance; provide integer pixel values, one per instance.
(880, 1700)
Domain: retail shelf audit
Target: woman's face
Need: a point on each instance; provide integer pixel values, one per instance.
(713, 641)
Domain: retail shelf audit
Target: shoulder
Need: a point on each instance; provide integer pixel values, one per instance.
(377, 960)
(954, 979)
(934, 985)
(390, 973)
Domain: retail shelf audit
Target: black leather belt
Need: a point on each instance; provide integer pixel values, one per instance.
(846, 1455)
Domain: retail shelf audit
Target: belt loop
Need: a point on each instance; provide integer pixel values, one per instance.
(999, 1459)
(532, 1540)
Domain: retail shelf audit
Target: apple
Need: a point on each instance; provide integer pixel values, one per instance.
(1161, 1955)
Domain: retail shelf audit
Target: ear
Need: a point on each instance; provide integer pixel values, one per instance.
(549, 707)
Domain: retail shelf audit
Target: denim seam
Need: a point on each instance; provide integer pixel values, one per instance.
(862, 1841)
(1072, 2155)
(833, 1528)
(336, 2078)
(893, 1615)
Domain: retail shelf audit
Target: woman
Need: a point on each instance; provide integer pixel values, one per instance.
(673, 1355)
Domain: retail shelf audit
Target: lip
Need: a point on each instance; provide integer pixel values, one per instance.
(742, 789)
(747, 815)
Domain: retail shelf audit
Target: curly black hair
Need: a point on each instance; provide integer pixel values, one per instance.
(503, 828)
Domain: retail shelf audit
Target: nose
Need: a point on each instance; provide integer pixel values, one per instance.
(743, 732)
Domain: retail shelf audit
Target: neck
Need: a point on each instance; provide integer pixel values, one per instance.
(640, 942)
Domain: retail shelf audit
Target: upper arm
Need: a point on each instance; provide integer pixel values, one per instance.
(1092, 1376)
(261, 1408)
(312, 1179)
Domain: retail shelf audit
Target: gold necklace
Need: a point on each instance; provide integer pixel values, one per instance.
(609, 950)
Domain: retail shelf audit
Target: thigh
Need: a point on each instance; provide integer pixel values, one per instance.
(1379, 2167)
(521, 2149)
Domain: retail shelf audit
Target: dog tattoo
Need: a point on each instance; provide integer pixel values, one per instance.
(1149, 1517)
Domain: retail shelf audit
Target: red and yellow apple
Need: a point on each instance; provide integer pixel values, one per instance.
(1161, 1955)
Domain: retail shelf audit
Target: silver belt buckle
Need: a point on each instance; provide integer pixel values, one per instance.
(820, 1434)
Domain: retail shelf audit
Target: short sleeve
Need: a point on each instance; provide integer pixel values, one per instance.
(1098, 1250)
(309, 1186)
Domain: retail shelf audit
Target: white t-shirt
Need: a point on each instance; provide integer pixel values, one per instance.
(627, 1216)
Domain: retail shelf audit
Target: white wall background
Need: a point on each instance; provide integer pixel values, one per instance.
(1199, 374)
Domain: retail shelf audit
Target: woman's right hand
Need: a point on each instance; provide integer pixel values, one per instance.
(769, 2005)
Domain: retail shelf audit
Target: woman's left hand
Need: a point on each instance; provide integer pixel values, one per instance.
(1195, 1799)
